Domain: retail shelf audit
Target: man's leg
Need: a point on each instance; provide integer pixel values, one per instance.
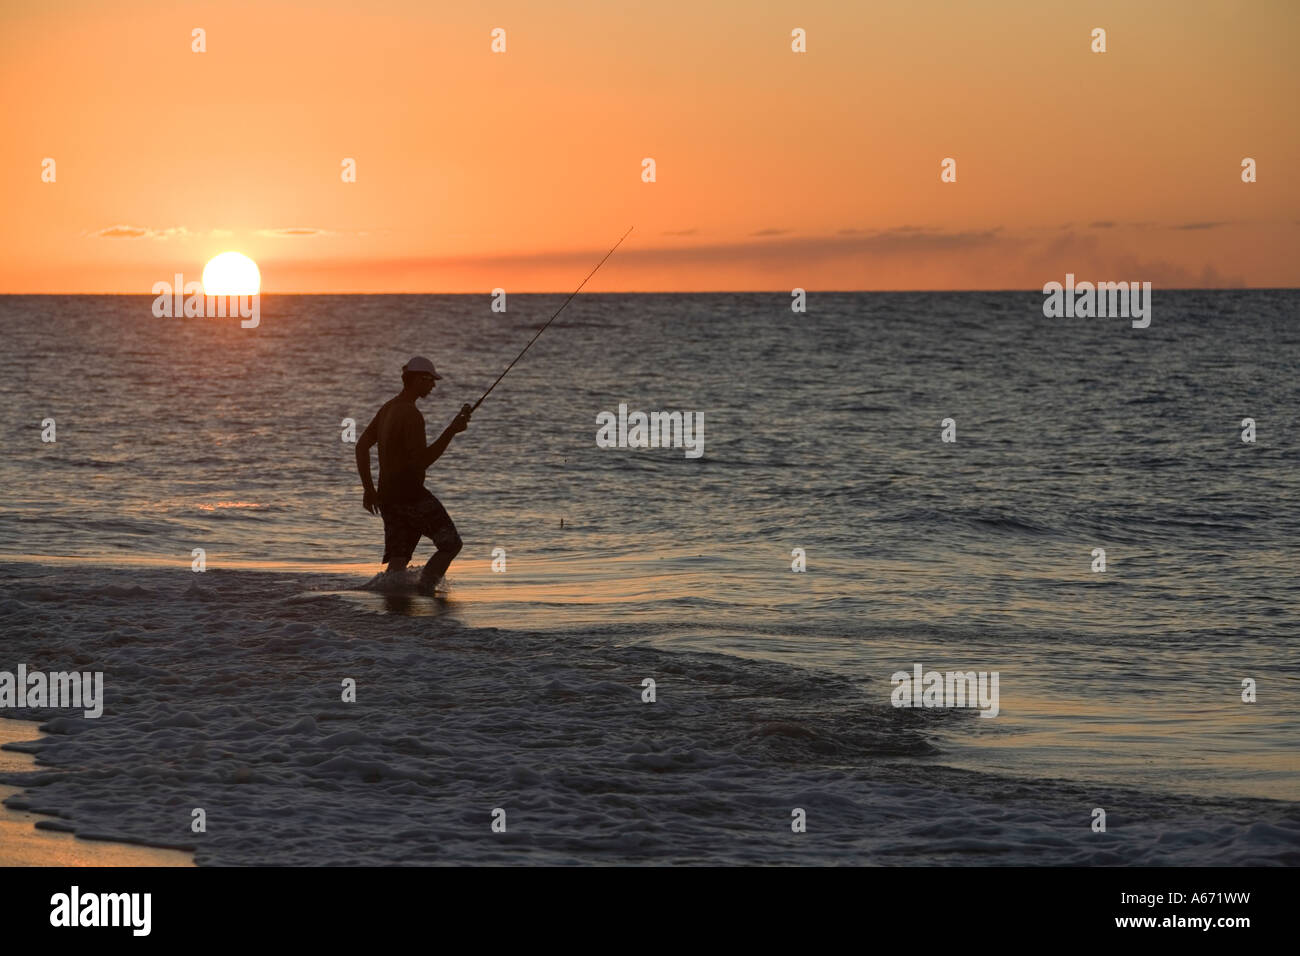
(401, 535)
(440, 529)
(437, 565)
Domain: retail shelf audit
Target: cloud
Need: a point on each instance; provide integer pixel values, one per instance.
(143, 232)
(294, 231)
(883, 243)
(181, 232)
(123, 232)
(911, 244)
(1112, 224)
(770, 232)
(1088, 258)
(902, 257)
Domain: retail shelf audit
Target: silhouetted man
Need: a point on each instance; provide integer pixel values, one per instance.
(408, 508)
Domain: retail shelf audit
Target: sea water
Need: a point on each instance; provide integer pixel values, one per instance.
(825, 449)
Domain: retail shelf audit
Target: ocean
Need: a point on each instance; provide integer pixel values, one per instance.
(522, 691)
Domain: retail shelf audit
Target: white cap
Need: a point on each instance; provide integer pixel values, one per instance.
(418, 363)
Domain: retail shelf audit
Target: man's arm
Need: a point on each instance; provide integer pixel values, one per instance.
(370, 501)
(458, 425)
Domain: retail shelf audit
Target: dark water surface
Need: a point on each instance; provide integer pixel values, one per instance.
(822, 432)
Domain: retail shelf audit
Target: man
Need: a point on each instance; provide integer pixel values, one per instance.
(407, 507)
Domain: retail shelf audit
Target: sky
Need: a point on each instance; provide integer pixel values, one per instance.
(774, 169)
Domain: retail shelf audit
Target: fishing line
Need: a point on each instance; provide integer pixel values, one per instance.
(550, 320)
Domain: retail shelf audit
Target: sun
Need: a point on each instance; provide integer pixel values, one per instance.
(231, 273)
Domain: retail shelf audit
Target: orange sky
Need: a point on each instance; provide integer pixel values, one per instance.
(775, 169)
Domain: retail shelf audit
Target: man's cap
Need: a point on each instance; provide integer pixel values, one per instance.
(418, 363)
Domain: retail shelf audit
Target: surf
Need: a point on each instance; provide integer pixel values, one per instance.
(405, 582)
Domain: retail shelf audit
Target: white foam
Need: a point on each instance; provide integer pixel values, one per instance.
(223, 692)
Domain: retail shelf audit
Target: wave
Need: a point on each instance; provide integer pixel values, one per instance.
(228, 694)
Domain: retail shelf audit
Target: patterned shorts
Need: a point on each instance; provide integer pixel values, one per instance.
(405, 523)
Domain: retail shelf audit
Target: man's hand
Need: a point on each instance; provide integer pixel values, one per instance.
(458, 425)
(461, 421)
(371, 501)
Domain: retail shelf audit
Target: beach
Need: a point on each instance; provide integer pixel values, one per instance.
(30, 840)
(223, 692)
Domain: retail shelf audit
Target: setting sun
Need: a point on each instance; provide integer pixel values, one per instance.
(231, 273)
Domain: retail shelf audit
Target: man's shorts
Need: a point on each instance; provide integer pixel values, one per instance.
(404, 523)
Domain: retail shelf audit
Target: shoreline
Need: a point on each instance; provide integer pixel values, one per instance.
(231, 695)
(24, 843)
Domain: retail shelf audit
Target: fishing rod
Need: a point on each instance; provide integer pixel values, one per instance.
(548, 322)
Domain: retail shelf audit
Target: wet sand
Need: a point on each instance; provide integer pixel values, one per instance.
(21, 844)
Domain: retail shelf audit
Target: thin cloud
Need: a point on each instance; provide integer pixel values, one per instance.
(900, 257)
(903, 241)
(1089, 258)
(143, 232)
(294, 232)
(123, 232)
